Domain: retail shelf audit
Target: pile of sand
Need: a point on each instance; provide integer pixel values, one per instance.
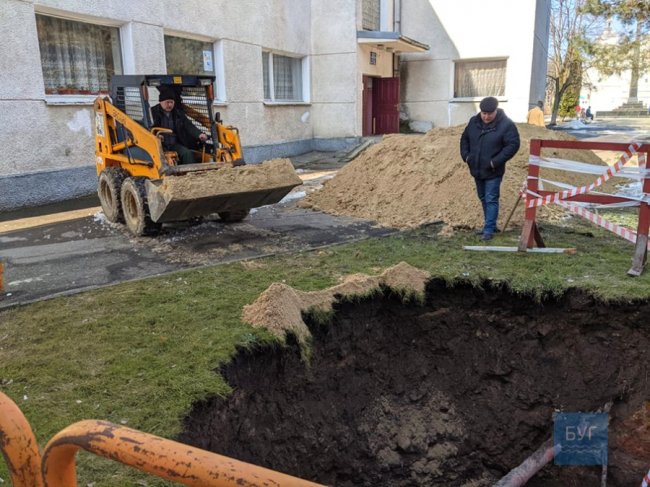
(279, 309)
(406, 181)
(275, 173)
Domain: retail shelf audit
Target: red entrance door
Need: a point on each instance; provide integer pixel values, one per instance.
(385, 109)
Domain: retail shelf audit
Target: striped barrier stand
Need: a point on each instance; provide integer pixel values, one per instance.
(536, 196)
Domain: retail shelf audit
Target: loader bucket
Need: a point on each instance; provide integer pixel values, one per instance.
(182, 197)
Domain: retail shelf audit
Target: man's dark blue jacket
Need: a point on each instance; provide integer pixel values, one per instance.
(487, 148)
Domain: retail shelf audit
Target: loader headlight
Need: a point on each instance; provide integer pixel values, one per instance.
(206, 82)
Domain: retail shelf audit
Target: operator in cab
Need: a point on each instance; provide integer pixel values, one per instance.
(184, 134)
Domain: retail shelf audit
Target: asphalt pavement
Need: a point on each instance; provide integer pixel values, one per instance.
(70, 247)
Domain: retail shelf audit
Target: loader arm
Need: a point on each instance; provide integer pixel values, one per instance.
(120, 141)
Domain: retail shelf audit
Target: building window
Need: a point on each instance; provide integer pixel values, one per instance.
(77, 57)
(474, 79)
(371, 11)
(188, 56)
(283, 77)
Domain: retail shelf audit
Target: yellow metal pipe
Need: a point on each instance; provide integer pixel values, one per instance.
(158, 456)
(19, 446)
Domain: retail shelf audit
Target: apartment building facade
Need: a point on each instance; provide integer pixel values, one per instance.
(292, 75)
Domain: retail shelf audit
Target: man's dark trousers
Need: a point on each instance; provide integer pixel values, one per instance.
(488, 191)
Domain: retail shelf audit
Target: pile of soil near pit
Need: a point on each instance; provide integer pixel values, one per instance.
(455, 391)
(280, 308)
(406, 180)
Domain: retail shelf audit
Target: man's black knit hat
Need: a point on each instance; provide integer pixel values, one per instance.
(489, 104)
(166, 93)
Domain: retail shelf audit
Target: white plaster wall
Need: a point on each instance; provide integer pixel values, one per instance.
(335, 83)
(36, 138)
(62, 134)
(144, 48)
(465, 29)
(19, 80)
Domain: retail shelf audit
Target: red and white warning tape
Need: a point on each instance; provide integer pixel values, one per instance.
(626, 233)
(556, 197)
(646, 480)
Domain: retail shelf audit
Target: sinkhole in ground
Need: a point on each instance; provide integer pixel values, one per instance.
(455, 391)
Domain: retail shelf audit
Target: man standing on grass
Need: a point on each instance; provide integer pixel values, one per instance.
(489, 140)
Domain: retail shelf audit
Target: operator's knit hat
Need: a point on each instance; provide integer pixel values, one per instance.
(166, 93)
(489, 104)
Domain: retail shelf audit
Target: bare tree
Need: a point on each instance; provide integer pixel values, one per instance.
(570, 27)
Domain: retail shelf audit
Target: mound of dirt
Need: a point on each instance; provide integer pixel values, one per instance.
(279, 309)
(406, 181)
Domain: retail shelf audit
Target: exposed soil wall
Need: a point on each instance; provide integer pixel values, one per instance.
(455, 391)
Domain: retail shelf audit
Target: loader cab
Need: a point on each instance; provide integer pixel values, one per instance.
(135, 95)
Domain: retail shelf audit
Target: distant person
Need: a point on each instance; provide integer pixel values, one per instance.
(536, 115)
(184, 133)
(588, 114)
(578, 112)
(489, 140)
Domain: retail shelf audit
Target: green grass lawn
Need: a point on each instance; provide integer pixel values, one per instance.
(142, 353)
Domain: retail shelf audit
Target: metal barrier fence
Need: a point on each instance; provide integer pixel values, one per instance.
(574, 199)
(160, 457)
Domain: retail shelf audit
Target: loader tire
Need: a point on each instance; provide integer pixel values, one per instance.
(109, 187)
(233, 216)
(135, 208)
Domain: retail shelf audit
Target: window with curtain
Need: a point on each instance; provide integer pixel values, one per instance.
(282, 76)
(188, 56)
(479, 78)
(77, 57)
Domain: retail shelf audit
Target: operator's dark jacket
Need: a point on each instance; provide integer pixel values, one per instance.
(496, 142)
(186, 133)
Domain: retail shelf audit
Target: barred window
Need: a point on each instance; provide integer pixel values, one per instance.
(479, 78)
(188, 56)
(282, 76)
(77, 57)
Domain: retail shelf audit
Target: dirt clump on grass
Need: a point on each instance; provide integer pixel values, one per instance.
(279, 308)
(407, 180)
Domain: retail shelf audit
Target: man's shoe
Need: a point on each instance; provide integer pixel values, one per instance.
(481, 231)
(486, 236)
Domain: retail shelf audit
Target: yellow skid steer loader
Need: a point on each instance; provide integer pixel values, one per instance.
(144, 186)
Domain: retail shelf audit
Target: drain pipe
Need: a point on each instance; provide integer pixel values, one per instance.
(518, 476)
(397, 16)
